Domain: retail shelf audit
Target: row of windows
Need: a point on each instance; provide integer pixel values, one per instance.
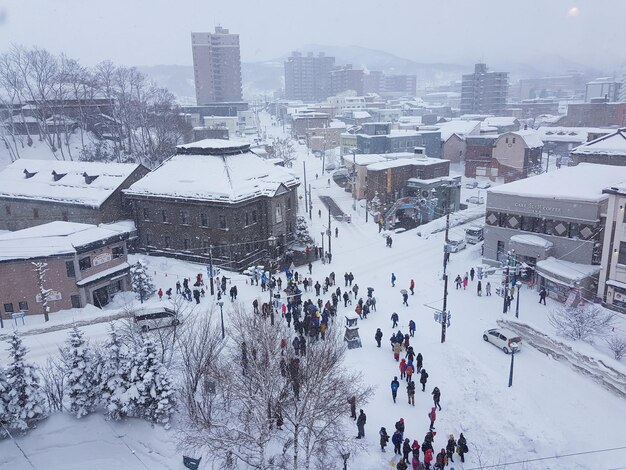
(557, 228)
(23, 306)
(64, 214)
(187, 244)
(186, 219)
(85, 262)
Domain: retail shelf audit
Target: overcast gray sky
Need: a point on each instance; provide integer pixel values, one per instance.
(148, 32)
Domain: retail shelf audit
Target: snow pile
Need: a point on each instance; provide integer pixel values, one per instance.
(456, 218)
(611, 144)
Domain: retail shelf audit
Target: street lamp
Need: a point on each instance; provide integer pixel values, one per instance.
(519, 286)
(221, 304)
(323, 254)
(514, 349)
(271, 243)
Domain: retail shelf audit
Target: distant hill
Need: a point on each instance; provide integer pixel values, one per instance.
(267, 76)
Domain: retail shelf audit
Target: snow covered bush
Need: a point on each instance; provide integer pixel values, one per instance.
(25, 401)
(141, 280)
(80, 379)
(583, 322)
(302, 231)
(617, 345)
(4, 401)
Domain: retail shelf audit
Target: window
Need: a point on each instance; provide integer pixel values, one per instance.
(65, 216)
(84, 263)
(146, 213)
(513, 139)
(247, 218)
(254, 217)
(506, 141)
(186, 243)
(204, 220)
(69, 267)
(621, 258)
(118, 251)
(35, 213)
(164, 216)
(148, 238)
(288, 203)
(184, 217)
(166, 241)
(279, 213)
(24, 306)
(500, 251)
(222, 221)
(8, 308)
(75, 301)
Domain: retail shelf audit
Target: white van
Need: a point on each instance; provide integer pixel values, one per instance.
(155, 317)
(474, 235)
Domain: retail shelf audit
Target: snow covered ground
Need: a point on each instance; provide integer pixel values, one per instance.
(551, 409)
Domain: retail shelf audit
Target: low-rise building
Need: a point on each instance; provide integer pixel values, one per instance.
(478, 155)
(515, 155)
(609, 149)
(216, 197)
(35, 192)
(560, 141)
(612, 282)
(85, 264)
(553, 223)
(302, 122)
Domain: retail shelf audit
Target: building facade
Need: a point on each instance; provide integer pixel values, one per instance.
(610, 149)
(515, 155)
(234, 215)
(598, 113)
(307, 77)
(35, 192)
(216, 66)
(344, 79)
(86, 264)
(612, 282)
(484, 92)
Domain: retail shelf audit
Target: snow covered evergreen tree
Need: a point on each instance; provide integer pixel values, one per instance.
(142, 282)
(155, 399)
(114, 376)
(80, 368)
(4, 401)
(26, 401)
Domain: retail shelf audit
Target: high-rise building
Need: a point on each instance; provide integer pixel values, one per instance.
(216, 66)
(307, 77)
(346, 78)
(605, 87)
(484, 92)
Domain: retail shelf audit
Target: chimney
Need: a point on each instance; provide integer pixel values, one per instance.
(89, 179)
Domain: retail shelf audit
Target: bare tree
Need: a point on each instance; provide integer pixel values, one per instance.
(617, 345)
(583, 322)
(53, 383)
(284, 149)
(41, 269)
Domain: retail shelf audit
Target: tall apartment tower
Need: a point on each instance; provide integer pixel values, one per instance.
(307, 77)
(484, 92)
(346, 78)
(216, 66)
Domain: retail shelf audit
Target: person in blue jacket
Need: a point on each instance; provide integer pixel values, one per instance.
(395, 385)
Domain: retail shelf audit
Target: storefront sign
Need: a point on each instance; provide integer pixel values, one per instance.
(53, 295)
(537, 208)
(101, 259)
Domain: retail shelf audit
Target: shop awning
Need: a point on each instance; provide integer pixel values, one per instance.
(565, 272)
(104, 274)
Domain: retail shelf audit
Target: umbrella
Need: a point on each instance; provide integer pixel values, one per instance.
(403, 291)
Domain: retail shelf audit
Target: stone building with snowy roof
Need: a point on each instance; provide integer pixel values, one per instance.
(609, 149)
(218, 196)
(554, 223)
(515, 155)
(86, 264)
(35, 192)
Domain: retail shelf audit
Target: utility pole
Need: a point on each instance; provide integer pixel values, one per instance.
(305, 186)
(330, 251)
(548, 160)
(354, 180)
(445, 248)
(444, 313)
(324, 158)
(506, 284)
(310, 204)
(211, 269)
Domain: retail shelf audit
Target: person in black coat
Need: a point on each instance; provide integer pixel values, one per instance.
(400, 426)
(296, 345)
(396, 440)
(406, 449)
(423, 379)
(419, 362)
(378, 336)
(352, 402)
(360, 424)
(384, 438)
(437, 397)
(462, 444)
(450, 447)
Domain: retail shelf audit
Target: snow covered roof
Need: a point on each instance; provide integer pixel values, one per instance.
(531, 137)
(228, 178)
(583, 182)
(337, 124)
(533, 240)
(569, 134)
(361, 115)
(56, 238)
(460, 127)
(68, 182)
(214, 147)
(566, 270)
(611, 144)
(501, 121)
(421, 161)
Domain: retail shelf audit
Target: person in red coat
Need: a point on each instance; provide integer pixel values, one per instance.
(160, 293)
(412, 287)
(428, 458)
(402, 369)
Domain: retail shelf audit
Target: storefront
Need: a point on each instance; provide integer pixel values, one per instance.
(568, 282)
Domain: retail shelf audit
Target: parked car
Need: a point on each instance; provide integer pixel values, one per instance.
(505, 339)
(483, 185)
(471, 185)
(474, 234)
(454, 246)
(155, 317)
(475, 200)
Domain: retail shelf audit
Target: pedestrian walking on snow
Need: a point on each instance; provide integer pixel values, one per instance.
(160, 293)
(395, 385)
(393, 280)
(352, 402)
(432, 416)
(462, 447)
(410, 391)
(384, 438)
(394, 319)
(436, 397)
(360, 424)
(409, 372)
(441, 460)
(310, 268)
(396, 440)
(458, 281)
(465, 282)
(378, 337)
(488, 289)
(411, 328)
(402, 369)
(402, 464)
(542, 295)
(405, 297)
(423, 379)
(406, 450)
(479, 289)
(412, 286)
(419, 361)
(450, 448)
(472, 272)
